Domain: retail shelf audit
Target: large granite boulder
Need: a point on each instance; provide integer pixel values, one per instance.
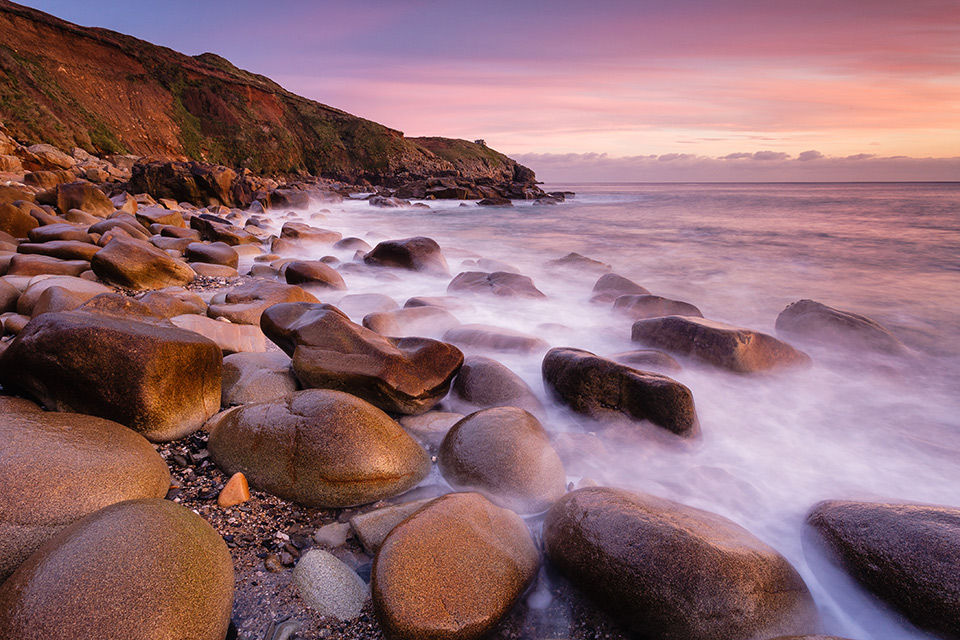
(639, 307)
(721, 345)
(504, 454)
(84, 196)
(669, 571)
(415, 254)
(604, 389)
(56, 468)
(484, 383)
(318, 448)
(811, 321)
(156, 379)
(305, 234)
(246, 303)
(313, 273)
(401, 375)
(212, 253)
(135, 264)
(135, 570)
(452, 570)
(498, 283)
(256, 377)
(907, 554)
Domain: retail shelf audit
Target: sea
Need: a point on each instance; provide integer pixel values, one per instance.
(773, 445)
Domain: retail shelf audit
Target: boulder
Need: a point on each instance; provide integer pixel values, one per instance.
(318, 448)
(216, 230)
(135, 570)
(328, 586)
(430, 322)
(31, 295)
(59, 231)
(84, 196)
(648, 360)
(23, 264)
(358, 305)
(352, 244)
(256, 377)
(499, 283)
(313, 273)
(495, 201)
(504, 454)
(135, 264)
(158, 215)
(906, 554)
(212, 253)
(62, 249)
(718, 344)
(373, 527)
(15, 221)
(667, 570)
(577, 263)
(230, 337)
(56, 468)
(158, 380)
(489, 338)
(484, 383)
(49, 156)
(450, 303)
(430, 428)
(415, 254)
(173, 301)
(198, 183)
(604, 389)
(639, 307)
(57, 298)
(816, 323)
(9, 295)
(452, 570)
(132, 227)
(246, 303)
(402, 375)
(302, 233)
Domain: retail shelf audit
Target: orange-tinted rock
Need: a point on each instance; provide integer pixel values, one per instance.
(415, 254)
(83, 196)
(135, 264)
(235, 492)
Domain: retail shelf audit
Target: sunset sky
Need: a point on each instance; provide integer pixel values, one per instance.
(609, 89)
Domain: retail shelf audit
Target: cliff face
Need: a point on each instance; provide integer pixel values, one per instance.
(110, 93)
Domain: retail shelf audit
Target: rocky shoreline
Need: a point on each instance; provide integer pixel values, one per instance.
(167, 339)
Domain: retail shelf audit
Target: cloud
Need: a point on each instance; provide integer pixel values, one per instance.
(734, 167)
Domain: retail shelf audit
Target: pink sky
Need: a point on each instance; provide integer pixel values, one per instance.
(563, 82)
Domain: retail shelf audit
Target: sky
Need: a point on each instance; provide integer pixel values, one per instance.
(609, 90)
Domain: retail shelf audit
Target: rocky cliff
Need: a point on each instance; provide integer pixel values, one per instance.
(106, 92)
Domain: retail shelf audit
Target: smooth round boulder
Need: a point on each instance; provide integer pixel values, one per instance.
(643, 306)
(814, 322)
(313, 273)
(156, 379)
(498, 283)
(718, 344)
(415, 254)
(246, 303)
(135, 570)
(56, 468)
(400, 375)
(611, 286)
(504, 454)
(22, 264)
(906, 554)
(490, 338)
(604, 389)
(304, 233)
(452, 570)
(84, 196)
(256, 377)
(212, 253)
(318, 448)
(135, 264)
(484, 383)
(669, 571)
(62, 249)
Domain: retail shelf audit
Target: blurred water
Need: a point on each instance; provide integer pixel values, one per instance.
(772, 446)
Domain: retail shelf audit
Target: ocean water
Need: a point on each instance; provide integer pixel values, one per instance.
(771, 445)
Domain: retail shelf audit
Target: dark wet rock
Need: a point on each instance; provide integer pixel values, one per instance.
(648, 360)
(721, 345)
(484, 383)
(216, 230)
(34, 264)
(452, 570)
(314, 273)
(56, 468)
(385, 202)
(158, 380)
(318, 448)
(667, 570)
(504, 454)
(135, 264)
(814, 637)
(500, 283)
(256, 377)
(198, 183)
(495, 201)
(416, 254)
(413, 321)
(135, 570)
(403, 375)
(212, 253)
(906, 554)
(62, 249)
(83, 196)
(604, 389)
(639, 307)
(489, 338)
(811, 321)
(306, 234)
(578, 263)
(352, 244)
(246, 303)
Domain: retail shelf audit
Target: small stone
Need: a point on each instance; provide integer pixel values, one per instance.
(332, 535)
(272, 563)
(330, 587)
(235, 492)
